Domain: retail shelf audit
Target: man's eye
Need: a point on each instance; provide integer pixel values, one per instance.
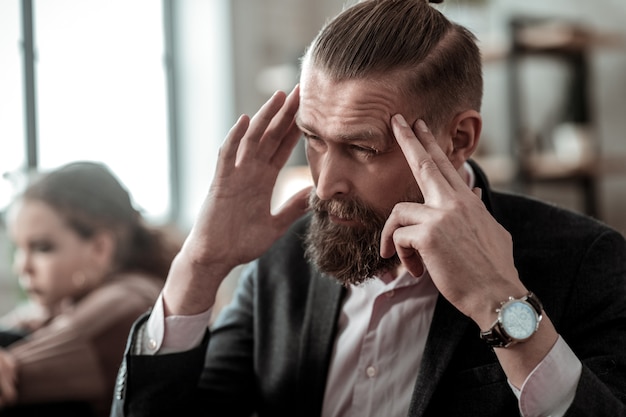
(365, 150)
(313, 141)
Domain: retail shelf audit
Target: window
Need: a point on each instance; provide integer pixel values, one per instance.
(100, 89)
(12, 145)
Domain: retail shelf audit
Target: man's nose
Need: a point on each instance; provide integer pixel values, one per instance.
(334, 177)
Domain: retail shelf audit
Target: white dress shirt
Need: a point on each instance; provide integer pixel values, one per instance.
(381, 335)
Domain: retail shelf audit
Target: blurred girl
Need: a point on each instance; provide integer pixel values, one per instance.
(89, 266)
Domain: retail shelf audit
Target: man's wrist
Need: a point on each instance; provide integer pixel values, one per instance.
(190, 287)
(517, 320)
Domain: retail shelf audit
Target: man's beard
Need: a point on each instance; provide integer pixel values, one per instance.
(349, 253)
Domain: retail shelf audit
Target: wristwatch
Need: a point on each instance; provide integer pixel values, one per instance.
(518, 319)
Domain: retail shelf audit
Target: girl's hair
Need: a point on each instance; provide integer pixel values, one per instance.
(437, 60)
(89, 197)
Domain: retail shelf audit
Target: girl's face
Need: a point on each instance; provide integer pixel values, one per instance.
(51, 260)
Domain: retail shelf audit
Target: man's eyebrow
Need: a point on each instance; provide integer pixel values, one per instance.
(301, 125)
(305, 128)
(356, 136)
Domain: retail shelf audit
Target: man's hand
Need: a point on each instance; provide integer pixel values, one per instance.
(468, 254)
(8, 379)
(235, 224)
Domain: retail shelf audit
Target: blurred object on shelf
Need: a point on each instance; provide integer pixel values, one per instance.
(551, 35)
(499, 168)
(567, 149)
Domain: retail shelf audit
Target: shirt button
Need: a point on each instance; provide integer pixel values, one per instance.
(390, 293)
(371, 371)
(152, 344)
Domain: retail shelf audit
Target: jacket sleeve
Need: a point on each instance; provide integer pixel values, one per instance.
(157, 385)
(173, 384)
(596, 328)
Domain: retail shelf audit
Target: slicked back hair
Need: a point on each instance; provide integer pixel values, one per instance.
(436, 62)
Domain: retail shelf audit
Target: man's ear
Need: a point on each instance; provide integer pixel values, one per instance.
(464, 132)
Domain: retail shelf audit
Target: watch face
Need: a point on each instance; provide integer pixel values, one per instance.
(518, 319)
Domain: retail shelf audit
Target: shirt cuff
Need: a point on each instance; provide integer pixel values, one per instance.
(172, 334)
(550, 388)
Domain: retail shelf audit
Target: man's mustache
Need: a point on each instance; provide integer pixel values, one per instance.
(349, 208)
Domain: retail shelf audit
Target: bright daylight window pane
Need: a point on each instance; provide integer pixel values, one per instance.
(102, 92)
(12, 139)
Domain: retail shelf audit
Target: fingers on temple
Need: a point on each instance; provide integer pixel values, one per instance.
(438, 155)
(285, 116)
(429, 164)
(265, 115)
(290, 138)
(280, 132)
(259, 123)
(422, 165)
(251, 130)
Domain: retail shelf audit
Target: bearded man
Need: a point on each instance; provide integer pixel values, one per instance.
(400, 284)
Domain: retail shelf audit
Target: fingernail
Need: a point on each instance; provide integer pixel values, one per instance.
(400, 120)
(422, 126)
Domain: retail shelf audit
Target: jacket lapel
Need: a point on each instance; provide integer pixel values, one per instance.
(446, 330)
(317, 338)
(483, 184)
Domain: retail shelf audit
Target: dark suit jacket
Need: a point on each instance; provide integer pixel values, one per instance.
(271, 348)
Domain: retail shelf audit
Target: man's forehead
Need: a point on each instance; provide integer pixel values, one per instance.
(347, 110)
(344, 130)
